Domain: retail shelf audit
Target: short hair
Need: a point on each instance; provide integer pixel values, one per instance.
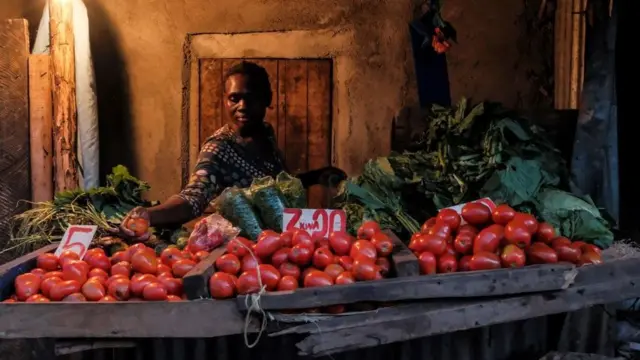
(259, 78)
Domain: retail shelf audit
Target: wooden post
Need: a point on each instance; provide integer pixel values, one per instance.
(40, 119)
(64, 94)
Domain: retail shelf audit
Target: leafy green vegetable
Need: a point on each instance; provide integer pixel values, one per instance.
(269, 201)
(234, 206)
(293, 190)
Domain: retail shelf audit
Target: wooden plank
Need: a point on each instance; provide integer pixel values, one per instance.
(211, 89)
(21, 265)
(296, 116)
(282, 107)
(404, 262)
(196, 282)
(40, 120)
(319, 126)
(14, 122)
(65, 127)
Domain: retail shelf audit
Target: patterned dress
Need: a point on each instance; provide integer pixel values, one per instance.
(223, 162)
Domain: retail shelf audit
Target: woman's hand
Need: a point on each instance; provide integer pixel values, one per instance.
(124, 231)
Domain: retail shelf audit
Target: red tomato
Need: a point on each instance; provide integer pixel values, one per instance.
(269, 276)
(529, 221)
(119, 256)
(229, 264)
(432, 243)
(317, 279)
(154, 292)
(63, 288)
(94, 251)
(427, 262)
(301, 237)
(287, 282)
(463, 263)
(561, 240)
(93, 290)
(368, 229)
(346, 262)
(488, 239)
(139, 282)
(239, 246)
(113, 278)
(322, 258)
(37, 298)
(173, 285)
(449, 217)
(578, 244)
(590, 257)
(484, 260)
(447, 263)
(287, 238)
(476, 213)
(289, 269)
(75, 270)
(301, 254)
(428, 225)
(248, 283)
(48, 262)
(322, 242)
(8, 301)
(335, 309)
(121, 268)
(98, 260)
(52, 274)
(280, 257)
(463, 243)
(541, 253)
(26, 285)
(517, 233)
(39, 272)
(340, 242)
(170, 255)
(513, 256)
(591, 248)
(502, 214)
(163, 269)
(334, 270)
(75, 297)
(441, 229)
(268, 244)
(135, 248)
(365, 249)
(120, 289)
(97, 272)
(47, 284)
(307, 271)
(468, 228)
(384, 265)
(345, 278)
(382, 243)
(144, 262)
(173, 298)
(250, 262)
(66, 256)
(567, 253)
(364, 269)
(138, 225)
(546, 233)
(181, 267)
(450, 250)
(201, 255)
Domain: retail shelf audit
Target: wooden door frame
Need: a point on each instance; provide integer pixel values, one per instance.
(291, 45)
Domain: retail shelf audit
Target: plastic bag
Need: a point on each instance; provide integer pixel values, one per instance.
(211, 232)
(291, 188)
(234, 206)
(269, 201)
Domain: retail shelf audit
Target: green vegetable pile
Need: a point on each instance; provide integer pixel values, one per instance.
(464, 154)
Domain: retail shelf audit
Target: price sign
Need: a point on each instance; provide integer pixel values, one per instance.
(77, 238)
(318, 223)
(485, 201)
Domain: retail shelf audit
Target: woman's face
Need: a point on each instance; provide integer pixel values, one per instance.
(246, 107)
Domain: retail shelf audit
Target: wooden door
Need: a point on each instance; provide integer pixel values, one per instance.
(300, 112)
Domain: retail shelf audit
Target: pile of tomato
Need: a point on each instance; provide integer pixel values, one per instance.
(293, 259)
(134, 274)
(481, 239)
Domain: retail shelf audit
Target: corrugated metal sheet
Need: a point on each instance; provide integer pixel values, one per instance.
(588, 330)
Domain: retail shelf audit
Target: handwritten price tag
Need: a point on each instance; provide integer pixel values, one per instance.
(77, 238)
(318, 222)
(485, 201)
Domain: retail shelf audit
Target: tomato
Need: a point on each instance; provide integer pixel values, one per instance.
(364, 269)
(47, 284)
(154, 292)
(427, 225)
(590, 257)
(382, 243)
(476, 213)
(340, 242)
(517, 233)
(247, 283)
(335, 309)
(434, 244)
(502, 214)
(463, 243)
(367, 230)
(561, 240)
(75, 297)
(135, 299)
(546, 233)
(39, 272)
(427, 262)
(66, 256)
(441, 229)
(120, 289)
(250, 262)
(8, 301)
(322, 242)
(484, 260)
(280, 257)
(181, 267)
(449, 217)
(269, 276)
(174, 286)
(317, 279)
(468, 229)
(365, 249)
(513, 256)
(113, 278)
(541, 253)
(287, 238)
(346, 262)
(289, 269)
(567, 253)
(384, 265)
(173, 298)
(122, 255)
(334, 270)
(268, 244)
(47, 261)
(488, 239)
(37, 298)
(229, 264)
(591, 248)
(100, 261)
(287, 282)
(93, 290)
(97, 272)
(121, 268)
(62, 289)
(463, 263)
(138, 225)
(201, 255)
(345, 278)
(135, 248)
(301, 254)
(139, 282)
(529, 221)
(239, 246)
(450, 250)
(163, 269)
(75, 270)
(578, 244)
(144, 262)
(52, 274)
(301, 237)
(447, 263)
(322, 258)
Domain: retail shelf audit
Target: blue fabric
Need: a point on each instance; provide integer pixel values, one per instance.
(430, 67)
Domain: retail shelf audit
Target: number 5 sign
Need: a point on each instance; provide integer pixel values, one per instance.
(318, 222)
(77, 238)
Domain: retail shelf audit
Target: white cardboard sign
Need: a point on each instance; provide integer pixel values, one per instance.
(77, 238)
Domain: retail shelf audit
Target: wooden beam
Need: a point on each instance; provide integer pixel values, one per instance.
(40, 120)
(64, 94)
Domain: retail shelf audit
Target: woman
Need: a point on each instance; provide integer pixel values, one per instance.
(237, 153)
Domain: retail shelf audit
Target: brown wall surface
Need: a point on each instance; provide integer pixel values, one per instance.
(137, 49)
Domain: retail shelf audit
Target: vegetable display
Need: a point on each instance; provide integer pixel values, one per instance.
(481, 239)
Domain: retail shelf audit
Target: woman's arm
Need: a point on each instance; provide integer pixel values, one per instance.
(175, 210)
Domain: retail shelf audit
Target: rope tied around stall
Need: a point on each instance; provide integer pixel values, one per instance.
(252, 303)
